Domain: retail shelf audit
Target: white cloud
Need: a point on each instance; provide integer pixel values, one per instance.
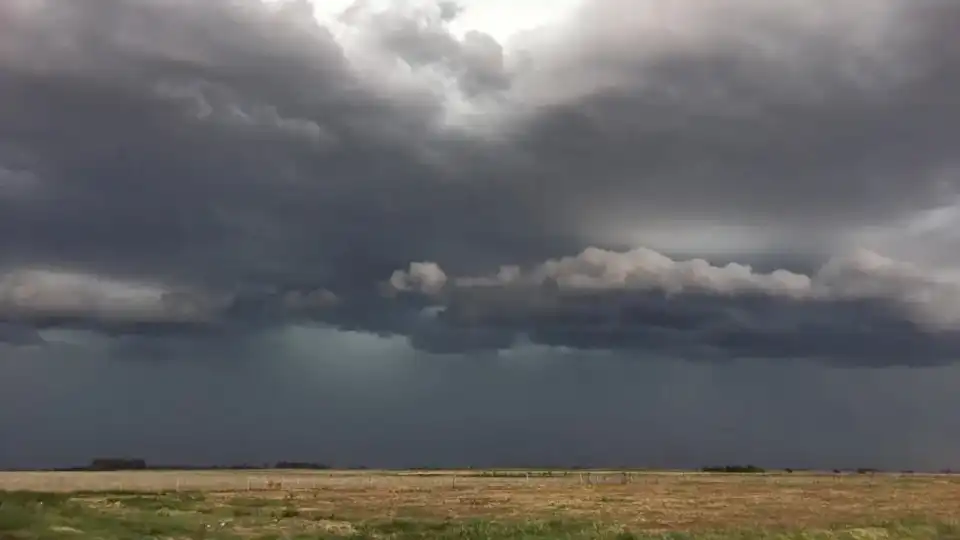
(425, 278)
(928, 296)
(45, 293)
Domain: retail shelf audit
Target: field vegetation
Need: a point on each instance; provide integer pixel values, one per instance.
(298, 504)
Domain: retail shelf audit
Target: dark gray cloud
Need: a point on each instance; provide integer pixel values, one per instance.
(743, 113)
(232, 167)
(230, 189)
(19, 335)
(204, 207)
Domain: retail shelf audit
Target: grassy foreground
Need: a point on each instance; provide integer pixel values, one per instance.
(714, 507)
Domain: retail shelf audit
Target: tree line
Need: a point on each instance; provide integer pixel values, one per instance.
(135, 464)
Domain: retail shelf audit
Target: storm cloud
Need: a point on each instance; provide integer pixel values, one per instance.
(155, 147)
(743, 181)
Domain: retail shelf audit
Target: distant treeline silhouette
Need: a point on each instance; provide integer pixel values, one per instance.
(733, 469)
(117, 464)
(136, 464)
(740, 469)
(131, 464)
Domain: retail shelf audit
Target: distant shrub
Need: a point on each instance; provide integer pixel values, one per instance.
(300, 465)
(117, 464)
(734, 469)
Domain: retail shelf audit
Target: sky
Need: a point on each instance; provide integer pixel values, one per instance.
(400, 233)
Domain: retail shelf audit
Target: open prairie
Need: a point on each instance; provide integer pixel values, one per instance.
(475, 504)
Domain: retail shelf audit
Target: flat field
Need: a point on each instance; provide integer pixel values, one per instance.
(475, 504)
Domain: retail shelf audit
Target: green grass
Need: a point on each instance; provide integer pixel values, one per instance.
(482, 530)
(122, 516)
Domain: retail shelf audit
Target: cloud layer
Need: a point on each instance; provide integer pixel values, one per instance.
(862, 309)
(228, 168)
(223, 220)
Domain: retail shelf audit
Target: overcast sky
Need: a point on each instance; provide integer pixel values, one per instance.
(425, 232)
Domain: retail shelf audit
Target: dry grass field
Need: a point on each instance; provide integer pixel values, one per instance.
(449, 504)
